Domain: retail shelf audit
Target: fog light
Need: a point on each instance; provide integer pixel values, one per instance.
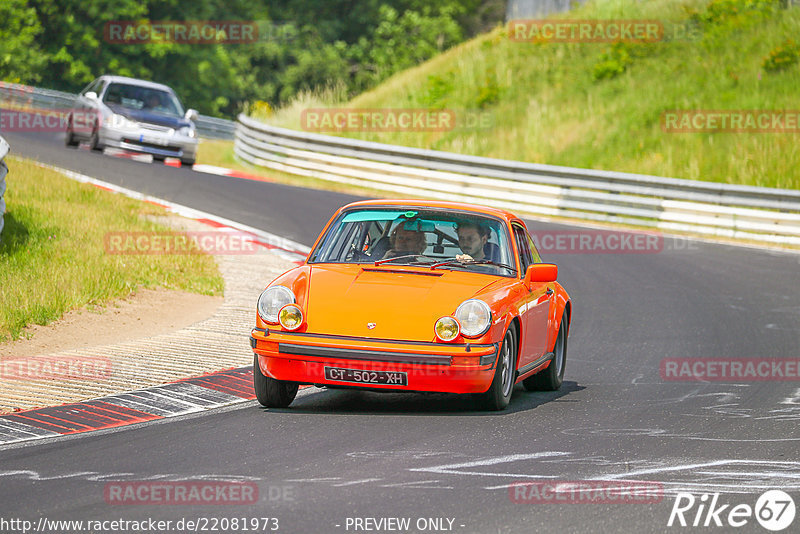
(446, 328)
(290, 317)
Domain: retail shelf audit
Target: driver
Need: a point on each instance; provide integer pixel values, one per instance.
(405, 242)
(472, 238)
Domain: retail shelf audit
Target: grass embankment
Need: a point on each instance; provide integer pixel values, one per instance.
(599, 105)
(52, 255)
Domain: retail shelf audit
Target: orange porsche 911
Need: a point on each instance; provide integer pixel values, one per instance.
(414, 295)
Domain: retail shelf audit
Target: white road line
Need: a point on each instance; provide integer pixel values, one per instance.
(354, 482)
(452, 469)
(794, 399)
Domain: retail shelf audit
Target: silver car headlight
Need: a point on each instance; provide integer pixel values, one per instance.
(187, 131)
(118, 121)
(272, 300)
(474, 316)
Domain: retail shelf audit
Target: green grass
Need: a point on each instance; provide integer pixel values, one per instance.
(52, 256)
(551, 104)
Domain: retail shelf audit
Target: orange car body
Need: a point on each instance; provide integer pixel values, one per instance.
(367, 317)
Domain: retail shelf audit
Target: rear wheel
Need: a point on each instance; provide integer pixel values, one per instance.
(272, 393)
(551, 378)
(187, 162)
(499, 394)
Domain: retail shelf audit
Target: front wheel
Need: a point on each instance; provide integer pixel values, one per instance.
(272, 393)
(551, 378)
(499, 394)
(94, 140)
(187, 162)
(70, 140)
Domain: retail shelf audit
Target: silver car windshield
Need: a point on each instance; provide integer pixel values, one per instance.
(418, 237)
(143, 98)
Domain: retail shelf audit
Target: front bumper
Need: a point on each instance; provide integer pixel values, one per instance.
(149, 141)
(436, 367)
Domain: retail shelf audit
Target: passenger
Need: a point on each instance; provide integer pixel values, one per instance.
(472, 238)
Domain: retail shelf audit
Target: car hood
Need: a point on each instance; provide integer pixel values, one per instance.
(402, 303)
(140, 115)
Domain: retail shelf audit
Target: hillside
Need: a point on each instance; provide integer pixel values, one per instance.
(601, 105)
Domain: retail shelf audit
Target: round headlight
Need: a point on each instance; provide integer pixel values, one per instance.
(291, 317)
(272, 300)
(474, 316)
(446, 329)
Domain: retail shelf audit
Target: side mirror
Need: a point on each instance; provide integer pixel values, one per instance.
(91, 95)
(191, 114)
(541, 272)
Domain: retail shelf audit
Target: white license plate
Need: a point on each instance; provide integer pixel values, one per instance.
(153, 140)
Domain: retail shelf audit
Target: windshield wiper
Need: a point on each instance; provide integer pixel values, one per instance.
(472, 262)
(406, 256)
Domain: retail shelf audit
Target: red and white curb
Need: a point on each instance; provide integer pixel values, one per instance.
(286, 248)
(187, 396)
(170, 400)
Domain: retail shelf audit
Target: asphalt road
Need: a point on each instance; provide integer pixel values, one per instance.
(336, 456)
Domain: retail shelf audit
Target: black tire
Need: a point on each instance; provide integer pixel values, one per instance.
(70, 140)
(272, 393)
(159, 158)
(187, 162)
(94, 140)
(499, 394)
(551, 378)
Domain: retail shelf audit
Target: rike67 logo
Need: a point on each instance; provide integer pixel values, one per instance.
(774, 510)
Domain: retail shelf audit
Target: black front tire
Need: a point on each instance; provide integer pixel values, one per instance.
(94, 140)
(70, 140)
(551, 378)
(499, 394)
(272, 393)
(187, 162)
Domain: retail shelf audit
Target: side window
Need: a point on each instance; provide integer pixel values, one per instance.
(525, 257)
(535, 253)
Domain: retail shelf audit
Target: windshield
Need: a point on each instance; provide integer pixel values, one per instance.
(143, 98)
(418, 237)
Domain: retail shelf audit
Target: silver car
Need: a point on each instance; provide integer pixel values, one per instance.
(135, 115)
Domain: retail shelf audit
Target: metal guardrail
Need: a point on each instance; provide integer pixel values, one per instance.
(25, 96)
(740, 212)
(4, 148)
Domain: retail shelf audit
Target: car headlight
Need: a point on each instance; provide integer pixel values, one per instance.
(446, 328)
(118, 121)
(291, 317)
(272, 300)
(474, 316)
(188, 131)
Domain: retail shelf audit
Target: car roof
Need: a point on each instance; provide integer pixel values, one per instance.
(416, 203)
(136, 81)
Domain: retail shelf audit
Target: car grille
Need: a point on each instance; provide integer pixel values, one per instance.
(156, 128)
(151, 145)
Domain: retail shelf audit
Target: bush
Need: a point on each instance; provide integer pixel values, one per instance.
(782, 56)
